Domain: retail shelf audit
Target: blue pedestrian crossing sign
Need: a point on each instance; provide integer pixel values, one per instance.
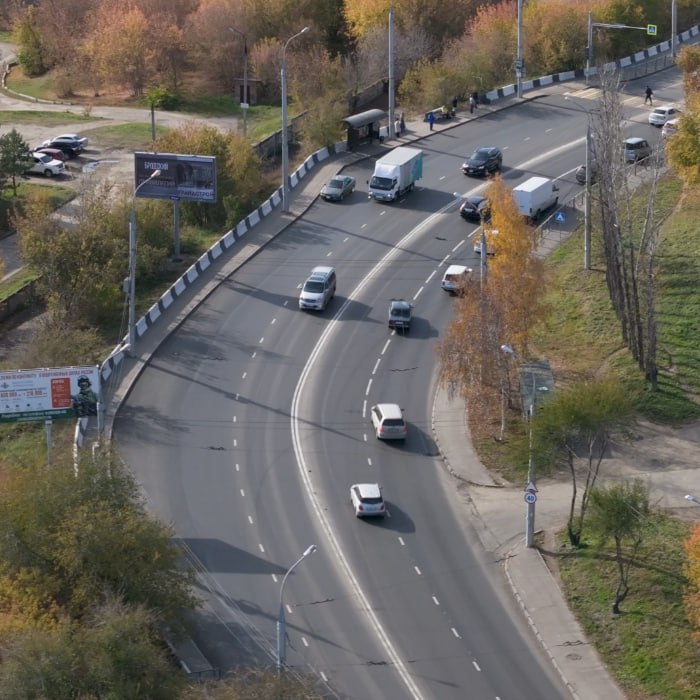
(560, 218)
(651, 29)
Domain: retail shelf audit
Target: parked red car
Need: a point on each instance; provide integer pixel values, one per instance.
(55, 153)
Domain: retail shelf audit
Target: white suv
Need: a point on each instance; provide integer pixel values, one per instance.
(43, 164)
(454, 278)
(388, 422)
(367, 500)
(318, 289)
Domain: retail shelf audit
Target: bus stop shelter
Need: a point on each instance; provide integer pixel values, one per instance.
(363, 127)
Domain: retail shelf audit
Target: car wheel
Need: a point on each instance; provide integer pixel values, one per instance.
(48, 173)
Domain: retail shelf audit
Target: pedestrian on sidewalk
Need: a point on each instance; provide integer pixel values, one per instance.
(397, 127)
(475, 97)
(403, 123)
(472, 104)
(454, 105)
(649, 93)
(431, 120)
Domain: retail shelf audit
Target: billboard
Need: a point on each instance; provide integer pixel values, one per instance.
(58, 392)
(186, 178)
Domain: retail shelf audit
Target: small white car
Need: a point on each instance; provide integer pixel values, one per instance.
(388, 422)
(660, 115)
(669, 128)
(44, 164)
(367, 501)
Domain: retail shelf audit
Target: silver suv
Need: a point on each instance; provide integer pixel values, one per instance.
(636, 149)
(318, 289)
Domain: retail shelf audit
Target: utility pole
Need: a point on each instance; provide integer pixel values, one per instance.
(392, 120)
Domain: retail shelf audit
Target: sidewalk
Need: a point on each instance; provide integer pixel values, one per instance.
(501, 511)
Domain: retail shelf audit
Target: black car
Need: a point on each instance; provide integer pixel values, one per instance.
(71, 144)
(484, 160)
(475, 208)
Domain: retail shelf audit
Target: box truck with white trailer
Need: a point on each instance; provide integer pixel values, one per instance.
(535, 196)
(396, 173)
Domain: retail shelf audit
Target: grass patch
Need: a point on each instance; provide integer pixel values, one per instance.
(43, 117)
(128, 137)
(581, 337)
(16, 282)
(650, 647)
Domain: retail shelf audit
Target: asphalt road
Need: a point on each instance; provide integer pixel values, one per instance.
(250, 424)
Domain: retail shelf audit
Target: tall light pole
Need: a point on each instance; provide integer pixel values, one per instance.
(587, 204)
(244, 101)
(132, 266)
(392, 120)
(281, 624)
(285, 144)
(519, 65)
(587, 224)
(674, 28)
(530, 489)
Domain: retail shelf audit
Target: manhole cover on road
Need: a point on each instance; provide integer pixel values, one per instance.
(92, 166)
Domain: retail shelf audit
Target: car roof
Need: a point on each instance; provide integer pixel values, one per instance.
(634, 140)
(456, 270)
(400, 304)
(390, 410)
(368, 490)
(322, 271)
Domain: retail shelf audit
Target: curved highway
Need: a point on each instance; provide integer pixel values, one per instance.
(251, 422)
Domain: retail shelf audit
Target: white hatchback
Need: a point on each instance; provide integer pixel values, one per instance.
(367, 500)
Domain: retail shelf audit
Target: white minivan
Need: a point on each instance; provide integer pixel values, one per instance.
(318, 289)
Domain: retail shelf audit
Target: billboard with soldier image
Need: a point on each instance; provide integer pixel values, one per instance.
(39, 394)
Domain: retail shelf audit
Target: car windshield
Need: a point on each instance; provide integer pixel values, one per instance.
(44, 158)
(314, 287)
(480, 155)
(336, 184)
(402, 311)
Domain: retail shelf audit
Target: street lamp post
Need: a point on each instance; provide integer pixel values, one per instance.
(519, 65)
(285, 144)
(281, 623)
(530, 488)
(244, 102)
(132, 266)
(587, 223)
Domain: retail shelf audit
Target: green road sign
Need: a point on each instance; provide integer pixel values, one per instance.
(651, 29)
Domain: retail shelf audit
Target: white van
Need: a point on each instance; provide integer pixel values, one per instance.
(454, 277)
(388, 422)
(318, 289)
(535, 196)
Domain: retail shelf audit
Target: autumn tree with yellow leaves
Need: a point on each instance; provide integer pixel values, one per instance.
(500, 309)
